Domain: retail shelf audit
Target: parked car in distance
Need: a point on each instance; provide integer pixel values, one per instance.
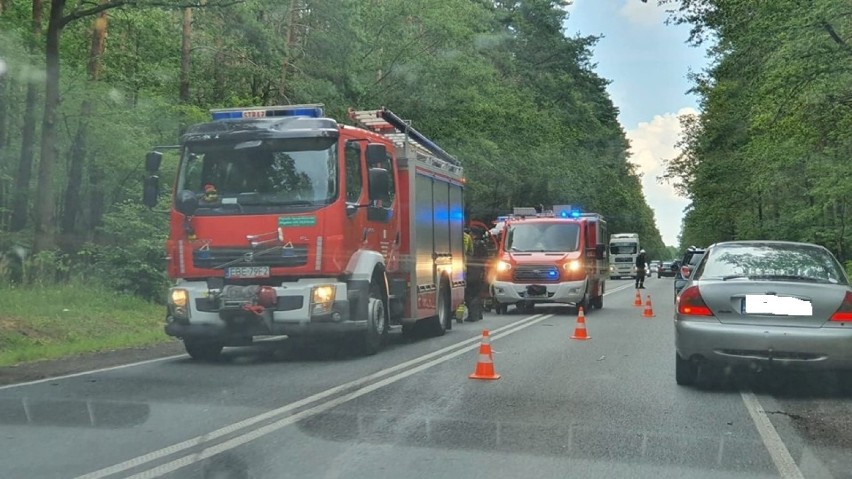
(685, 267)
(653, 267)
(666, 269)
(769, 303)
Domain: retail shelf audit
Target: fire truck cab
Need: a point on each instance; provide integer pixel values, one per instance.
(556, 256)
(286, 222)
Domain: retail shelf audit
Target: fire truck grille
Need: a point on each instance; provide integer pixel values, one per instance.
(542, 273)
(277, 257)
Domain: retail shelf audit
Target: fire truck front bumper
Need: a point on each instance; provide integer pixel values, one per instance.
(570, 292)
(296, 312)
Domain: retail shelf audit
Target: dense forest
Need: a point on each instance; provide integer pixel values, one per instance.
(769, 157)
(87, 87)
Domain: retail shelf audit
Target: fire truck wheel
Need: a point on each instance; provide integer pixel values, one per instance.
(203, 350)
(440, 323)
(377, 324)
(597, 302)
(584, 303)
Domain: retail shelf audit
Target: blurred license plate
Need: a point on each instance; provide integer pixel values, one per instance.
(247, 272)
(776, 305)
(536, 290)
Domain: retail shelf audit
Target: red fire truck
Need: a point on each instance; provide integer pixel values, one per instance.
(284, 222)
(556, 256)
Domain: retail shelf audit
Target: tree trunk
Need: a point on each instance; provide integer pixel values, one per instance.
(72, 205)
(45, 196)
(21, 200)
(285, 61)
(185, 48)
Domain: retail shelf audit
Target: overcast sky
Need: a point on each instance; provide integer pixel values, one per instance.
(647, 62)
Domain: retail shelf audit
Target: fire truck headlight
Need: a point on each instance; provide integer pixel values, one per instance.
(323, 294)
(503, 266)
(574, 265)
(179, 297)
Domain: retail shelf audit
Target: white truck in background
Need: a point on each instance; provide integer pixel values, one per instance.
(623, 249)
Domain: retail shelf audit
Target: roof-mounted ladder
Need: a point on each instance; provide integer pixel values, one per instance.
(399, 131)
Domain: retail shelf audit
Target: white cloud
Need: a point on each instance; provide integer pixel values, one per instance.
(644, 14)
(651, 143)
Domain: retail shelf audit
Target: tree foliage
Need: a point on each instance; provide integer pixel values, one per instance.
(497, 83)
(768, 156)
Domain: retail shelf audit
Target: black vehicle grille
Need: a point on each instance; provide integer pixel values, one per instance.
(623, 260)
(278, 257)
(542, 273)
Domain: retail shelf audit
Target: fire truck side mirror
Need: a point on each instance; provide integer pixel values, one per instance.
(151, 191)
(379, 188)
(152, 161)
(376, 153)
(600, 251)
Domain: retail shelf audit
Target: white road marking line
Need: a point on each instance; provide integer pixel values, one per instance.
(193, 442)
(155, 360)
(782, 458)
(92, 371)
(319, 408)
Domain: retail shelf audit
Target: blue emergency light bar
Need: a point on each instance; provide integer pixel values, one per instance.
(310, 111)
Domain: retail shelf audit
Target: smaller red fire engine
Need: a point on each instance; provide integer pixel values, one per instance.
(556, 256)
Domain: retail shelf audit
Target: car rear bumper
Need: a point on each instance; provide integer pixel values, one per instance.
(793, 347)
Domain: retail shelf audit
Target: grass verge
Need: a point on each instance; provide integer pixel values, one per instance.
(50, 322)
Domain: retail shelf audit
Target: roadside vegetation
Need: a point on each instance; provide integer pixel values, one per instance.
(48, 322)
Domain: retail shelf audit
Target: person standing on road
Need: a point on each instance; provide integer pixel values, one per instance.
(641, 264)
(475, 276)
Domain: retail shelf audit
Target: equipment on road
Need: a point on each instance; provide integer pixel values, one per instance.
(649, 310)
(316, 228)
(555, 256)
(623, 249)
(485, 363)
(637, 301)
(580, 332)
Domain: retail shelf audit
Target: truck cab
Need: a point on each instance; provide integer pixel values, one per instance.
(623, 250)
(556, 256)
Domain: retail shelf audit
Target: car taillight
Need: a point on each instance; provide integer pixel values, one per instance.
(267, 297)
(690, 303)
(844, 312)
(684, 271)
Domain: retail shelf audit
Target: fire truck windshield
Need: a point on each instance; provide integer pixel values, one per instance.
(543, 237)
(261, 173)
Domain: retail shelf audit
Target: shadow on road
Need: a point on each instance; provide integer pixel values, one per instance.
(782, 384)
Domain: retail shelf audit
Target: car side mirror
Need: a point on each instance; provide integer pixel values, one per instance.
(376, 153)
(152, 161)
(379, 187)
(151, 191)
(684, 271)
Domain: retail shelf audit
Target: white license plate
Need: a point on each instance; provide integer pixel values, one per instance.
(247, 272)
(777, 305)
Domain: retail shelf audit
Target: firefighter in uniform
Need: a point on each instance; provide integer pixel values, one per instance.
(475, 276)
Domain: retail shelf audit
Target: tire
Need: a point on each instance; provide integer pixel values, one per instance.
(440, 323)
(377, 317)
(584, 303)
(201, 350)
(597, 302)
(686, 372)
(501, 308)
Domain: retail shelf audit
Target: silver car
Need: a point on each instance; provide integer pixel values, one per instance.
(764, 302)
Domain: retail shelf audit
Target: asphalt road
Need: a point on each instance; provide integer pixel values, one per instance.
(607, 407)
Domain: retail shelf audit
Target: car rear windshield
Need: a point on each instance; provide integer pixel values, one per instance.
(782, 262)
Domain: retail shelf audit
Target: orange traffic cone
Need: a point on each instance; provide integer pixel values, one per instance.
(485, 365)
(580, 330)
(638, 300)
(649, 311)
